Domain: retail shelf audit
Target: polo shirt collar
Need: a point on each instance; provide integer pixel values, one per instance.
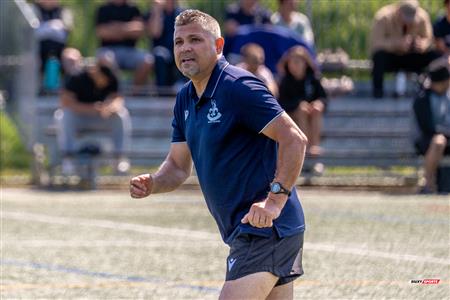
(213, 81)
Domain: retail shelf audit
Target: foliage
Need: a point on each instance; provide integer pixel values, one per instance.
(12, 151)
(336, 23)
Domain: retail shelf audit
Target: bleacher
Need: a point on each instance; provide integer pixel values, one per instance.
(358, 132)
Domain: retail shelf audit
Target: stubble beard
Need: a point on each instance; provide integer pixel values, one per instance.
(190, 71)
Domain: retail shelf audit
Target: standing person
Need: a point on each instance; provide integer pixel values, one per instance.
(288, 16)
(119, 25)
(90, 100)
(302, 95)
(248, 154)
(432, 112)
(159, 24)
(400, 40)
(441, 30)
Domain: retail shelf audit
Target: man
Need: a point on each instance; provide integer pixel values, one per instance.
(288, 16)
(432, 112)
(441, 30)
(400, 40)
(56, 22)
(119, 25)
(160, 22)
(230, 126)
(90, 100)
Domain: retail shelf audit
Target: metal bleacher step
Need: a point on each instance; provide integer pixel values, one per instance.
(357, 131)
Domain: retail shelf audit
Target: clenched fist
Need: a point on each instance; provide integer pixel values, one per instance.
(141, 186)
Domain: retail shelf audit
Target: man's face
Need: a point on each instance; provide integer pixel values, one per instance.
(195, 51)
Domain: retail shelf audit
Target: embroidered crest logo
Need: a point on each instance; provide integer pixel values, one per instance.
(214, 114)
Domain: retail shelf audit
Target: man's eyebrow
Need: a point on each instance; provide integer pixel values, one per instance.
(189, 36)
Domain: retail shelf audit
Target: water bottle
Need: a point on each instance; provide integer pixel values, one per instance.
(51, 74)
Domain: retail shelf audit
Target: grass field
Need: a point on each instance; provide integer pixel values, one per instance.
(104, 245)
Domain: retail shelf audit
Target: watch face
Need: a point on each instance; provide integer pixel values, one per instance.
(275, 188)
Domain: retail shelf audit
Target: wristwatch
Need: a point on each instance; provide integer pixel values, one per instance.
(277, 188)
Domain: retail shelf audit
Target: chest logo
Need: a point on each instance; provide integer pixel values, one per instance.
(214, 114)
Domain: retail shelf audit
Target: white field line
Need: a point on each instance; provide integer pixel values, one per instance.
(105, 224)
(205, 236)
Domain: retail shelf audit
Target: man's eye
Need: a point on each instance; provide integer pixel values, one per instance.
(177, 42)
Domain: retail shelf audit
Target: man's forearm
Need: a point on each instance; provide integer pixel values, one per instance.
(291, 155)
(168, 177)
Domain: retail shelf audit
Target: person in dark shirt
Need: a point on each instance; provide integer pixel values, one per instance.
(247, 153)
(432, 113)
(56, 22)
(160, 22)
(90, 100)
(441, 30)
(119, 25)
(244, 12)
(302, 95)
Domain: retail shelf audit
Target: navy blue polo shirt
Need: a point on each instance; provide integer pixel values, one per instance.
(235, 162)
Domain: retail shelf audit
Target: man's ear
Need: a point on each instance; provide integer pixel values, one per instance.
(220, 42)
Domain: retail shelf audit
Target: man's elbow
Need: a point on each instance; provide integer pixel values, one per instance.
(299, 139)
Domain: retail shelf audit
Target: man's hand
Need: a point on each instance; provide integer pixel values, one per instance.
(262, 214)
(141, 186)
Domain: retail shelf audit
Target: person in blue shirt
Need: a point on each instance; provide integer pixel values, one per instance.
(247, 153)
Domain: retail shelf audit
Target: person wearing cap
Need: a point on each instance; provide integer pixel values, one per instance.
(432, 113)
(400, 40)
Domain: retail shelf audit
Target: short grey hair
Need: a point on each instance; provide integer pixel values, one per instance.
(194, 16)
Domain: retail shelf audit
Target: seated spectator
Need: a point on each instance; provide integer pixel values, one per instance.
(72, 62)
(432, 112)
(119, 25)
(253, 61)
(441, 30)
(55, 24)
(243, 12)
(401, 37)
(90, 100)
(288, 16)
(302, 96)
(160, 24)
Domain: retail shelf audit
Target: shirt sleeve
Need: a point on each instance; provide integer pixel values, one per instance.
(178, 123)
(256, 106)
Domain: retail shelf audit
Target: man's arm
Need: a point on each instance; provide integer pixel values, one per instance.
(156, 20)
(69, 100)
(291, 154)
(116, 31)
(175, 169)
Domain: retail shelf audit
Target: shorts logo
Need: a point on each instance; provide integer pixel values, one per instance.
(231, 262)
(214, 114)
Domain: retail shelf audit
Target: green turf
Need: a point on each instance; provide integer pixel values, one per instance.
(105, 245)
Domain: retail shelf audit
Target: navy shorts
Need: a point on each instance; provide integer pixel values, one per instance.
(251, 254)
